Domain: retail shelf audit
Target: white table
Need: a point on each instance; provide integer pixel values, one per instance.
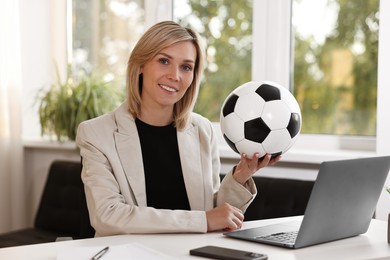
(371, 245)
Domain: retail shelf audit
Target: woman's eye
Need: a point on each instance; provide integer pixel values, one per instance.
(187, 67)
(163, 61)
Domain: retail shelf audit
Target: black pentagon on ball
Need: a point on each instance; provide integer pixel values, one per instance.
(294, 125)
(256, 130)
(231, 144)
(268, 92)
(229, 105)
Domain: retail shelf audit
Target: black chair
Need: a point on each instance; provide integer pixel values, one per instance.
(62, 212)
(278, 197)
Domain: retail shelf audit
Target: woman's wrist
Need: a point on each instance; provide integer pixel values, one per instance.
(238, 178)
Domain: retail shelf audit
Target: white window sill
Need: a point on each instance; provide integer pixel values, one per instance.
(314, 149)
(41, 143)
(309, 156)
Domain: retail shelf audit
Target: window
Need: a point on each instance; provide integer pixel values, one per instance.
(335, 65)
(326, 67)
(103, 35)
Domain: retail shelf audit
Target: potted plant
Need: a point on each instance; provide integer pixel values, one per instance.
(64, 105)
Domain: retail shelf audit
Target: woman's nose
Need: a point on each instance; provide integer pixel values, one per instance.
(174, 73)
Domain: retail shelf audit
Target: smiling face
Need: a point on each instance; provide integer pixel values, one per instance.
(167, 76)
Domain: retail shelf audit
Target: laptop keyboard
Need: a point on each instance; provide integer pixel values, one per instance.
(283, 237)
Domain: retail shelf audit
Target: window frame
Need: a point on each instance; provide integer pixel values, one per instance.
(273, 40)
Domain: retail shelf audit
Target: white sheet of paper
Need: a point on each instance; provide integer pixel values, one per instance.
(117, 252)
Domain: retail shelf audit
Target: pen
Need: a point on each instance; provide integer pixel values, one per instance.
(100, 253)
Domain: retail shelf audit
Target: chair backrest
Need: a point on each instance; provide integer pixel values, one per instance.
(63, 207)
(278, 197)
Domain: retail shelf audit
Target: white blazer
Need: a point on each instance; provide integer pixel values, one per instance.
(113, 176)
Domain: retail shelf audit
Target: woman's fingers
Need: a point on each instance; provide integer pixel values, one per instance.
(225, 217)
(246, 167)
(264, 161)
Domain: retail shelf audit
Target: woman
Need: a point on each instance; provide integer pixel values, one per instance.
(152, 165)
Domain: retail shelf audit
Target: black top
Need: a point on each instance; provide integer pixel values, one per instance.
(165, 188)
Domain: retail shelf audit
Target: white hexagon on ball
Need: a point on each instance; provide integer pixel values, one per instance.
(290, 101)
(233, 127)
(250, 148)
(277, 141)
(249, 106)
(276, 114)
(245, 88)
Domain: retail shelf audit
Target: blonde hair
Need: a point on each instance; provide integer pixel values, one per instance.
(156, 38)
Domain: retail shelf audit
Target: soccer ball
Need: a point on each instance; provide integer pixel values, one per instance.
(261, 117)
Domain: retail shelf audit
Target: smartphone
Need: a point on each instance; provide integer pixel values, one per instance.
(216, 252)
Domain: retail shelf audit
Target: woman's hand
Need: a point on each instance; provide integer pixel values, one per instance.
(247, 167)
(224, 217)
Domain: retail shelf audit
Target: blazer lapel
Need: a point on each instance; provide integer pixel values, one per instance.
(129, 151)
(189, 149)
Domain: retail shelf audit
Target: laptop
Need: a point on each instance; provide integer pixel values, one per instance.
(341, 205)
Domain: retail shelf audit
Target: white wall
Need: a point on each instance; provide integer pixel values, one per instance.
(36, 63)
(43, 41)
